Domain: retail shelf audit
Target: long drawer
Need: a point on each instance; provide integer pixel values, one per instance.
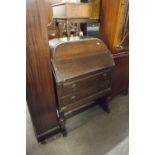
(86, 100)
(98, 80)
(77, 96)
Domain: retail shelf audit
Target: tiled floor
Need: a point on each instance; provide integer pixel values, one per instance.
(92, 132)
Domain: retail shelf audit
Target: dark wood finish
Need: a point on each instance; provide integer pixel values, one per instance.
(114, 27)
(77, 96)
(86, 100)
(85, 83)
(103, 102)
(93, 46)
(80, 109)
(89, 55)
(82, 69)
(120, 75)
(39, 83)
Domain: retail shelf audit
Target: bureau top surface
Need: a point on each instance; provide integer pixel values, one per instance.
(75, 47)
(72, 58)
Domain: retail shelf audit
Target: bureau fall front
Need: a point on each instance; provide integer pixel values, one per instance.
(82, 71)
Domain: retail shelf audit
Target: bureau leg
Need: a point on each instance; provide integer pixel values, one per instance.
(62, 124)
(104, 103)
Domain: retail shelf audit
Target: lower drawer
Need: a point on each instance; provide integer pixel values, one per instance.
(85, 101)
(81, 84)
(75, 97)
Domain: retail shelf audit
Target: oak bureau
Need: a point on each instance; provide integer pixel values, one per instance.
(82, 69)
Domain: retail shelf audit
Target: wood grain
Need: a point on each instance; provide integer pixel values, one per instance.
(39, 83)
(120, 75)
(113, 14)
(81, 66)
(77, 56)
(86, 47)
(98, 79)
(111, 20)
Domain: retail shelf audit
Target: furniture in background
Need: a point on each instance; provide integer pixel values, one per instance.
(68, 16)
(114, 31)
(91, 29)
(81, 76)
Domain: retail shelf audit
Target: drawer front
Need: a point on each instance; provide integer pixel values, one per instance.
(99, 80)
(75, 97)
(86, 100)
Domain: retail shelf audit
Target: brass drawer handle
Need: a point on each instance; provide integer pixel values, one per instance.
(73, 98)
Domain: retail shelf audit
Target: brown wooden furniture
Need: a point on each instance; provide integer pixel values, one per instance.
(120, 75)
(78, 82)
(65, 26)
(114, 31)
(71, 10)
(114, 23)
(39, 82)
(52, 29)
(95, 13)
(69, 15)
(82, 70)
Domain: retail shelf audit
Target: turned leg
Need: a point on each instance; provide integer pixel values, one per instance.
(43, 142)
(62, 124)
(105, 104)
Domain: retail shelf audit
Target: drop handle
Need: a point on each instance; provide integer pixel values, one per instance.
(73, 98)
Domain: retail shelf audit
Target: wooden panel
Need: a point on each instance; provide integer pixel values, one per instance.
(112, 19)
(89, 55)
(120, 75)
(86, 100)
(120, 22)
(85, 83)
(72, 10)
(72, 69)
(95, 13)
(48, 11)
(79, 95)
(39, 85)
(113, 14)
(79, 50)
